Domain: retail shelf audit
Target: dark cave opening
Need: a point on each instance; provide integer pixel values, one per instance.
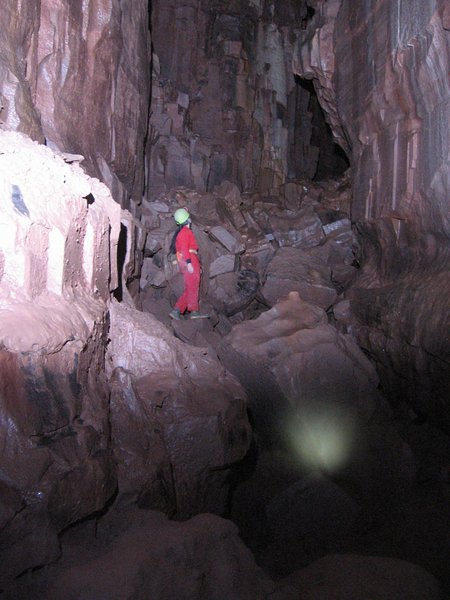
(121, 256)
(313, 152)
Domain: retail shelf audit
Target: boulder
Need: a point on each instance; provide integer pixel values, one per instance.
(187, 414)
(354, 577)
(302, 229)
(199, 559)
(337, 421)
(293, 269)
(233, 292)
(228, 241)
(222, 264)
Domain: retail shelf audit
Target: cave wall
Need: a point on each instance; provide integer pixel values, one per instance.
(381, 72)
(76, 75)
(58, 230)
(224, 98)
(99, 402)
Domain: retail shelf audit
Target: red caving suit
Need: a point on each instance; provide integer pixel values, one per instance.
(187, 248)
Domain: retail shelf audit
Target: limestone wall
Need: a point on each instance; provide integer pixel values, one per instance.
(381, 71)
(97, 400)
(58, 230)
(222, 94)
(77, 75)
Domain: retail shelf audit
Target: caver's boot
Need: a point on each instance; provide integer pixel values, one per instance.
(197, 315)
(175, 314)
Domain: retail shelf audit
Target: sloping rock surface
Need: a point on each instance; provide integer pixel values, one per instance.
(355, 577)
(178, 418)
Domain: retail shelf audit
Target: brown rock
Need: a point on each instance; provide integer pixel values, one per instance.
(191, 415)
(292, 269)
(199, 559)
(331, 390)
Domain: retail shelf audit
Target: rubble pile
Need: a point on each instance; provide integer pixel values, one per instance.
(253, 250)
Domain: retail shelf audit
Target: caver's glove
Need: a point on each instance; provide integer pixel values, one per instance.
(189, 267)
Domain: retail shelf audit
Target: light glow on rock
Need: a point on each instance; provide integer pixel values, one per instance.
(322, 440)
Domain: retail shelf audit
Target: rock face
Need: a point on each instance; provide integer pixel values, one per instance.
(183, 421)
(225, 103)
(77, 75)
(200, 559)
(390, 101)
(332, 410)
(151, 420)
(54, 288)
(237, 104)
(221, 116)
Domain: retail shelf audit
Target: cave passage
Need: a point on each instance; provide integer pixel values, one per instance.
(304, 425)
(313, 152)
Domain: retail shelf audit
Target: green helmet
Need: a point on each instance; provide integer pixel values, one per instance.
(181, 216)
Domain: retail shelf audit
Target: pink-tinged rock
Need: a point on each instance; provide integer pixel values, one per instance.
(191, 411)
(199, 559)
(343, 315)
(295, 336)
(410, 344)
(339, 230)
(84, 70)
(327, 396)
(444, 9)
(151, 274)
(55, 460)
(233, 203)
(56, 245)
(18, 42)
(236, 69)
(391, 100)
(144, 472)
(222, 264)
(231, 293)
(293, 195)
(292, 269)
(258, 253)
(301, 229)
(228, 240)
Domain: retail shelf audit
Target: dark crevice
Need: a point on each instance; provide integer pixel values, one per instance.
(314, 154)
(121, 255)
